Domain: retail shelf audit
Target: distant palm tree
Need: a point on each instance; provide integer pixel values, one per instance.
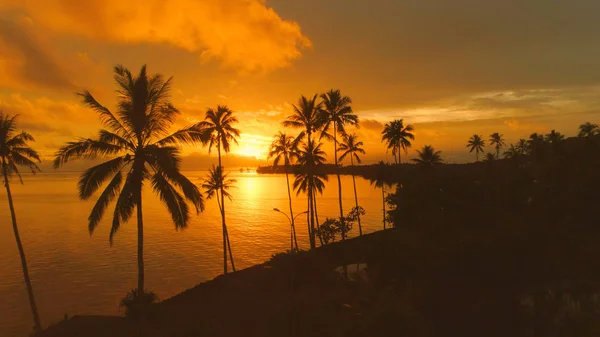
(513, 152)
(554, 137)
(310, 180)
(15, 152)
(497, 141)
(476, 143)
(398, 137)
(307, 115)
(588, 130)
(535, 145)
(214, 183)
(522, 148)
(380, 181)
(352, 147)
(489, 157)
(428, 156)
(337, 112)
(284, 148)
(219, 132)
(143, 150)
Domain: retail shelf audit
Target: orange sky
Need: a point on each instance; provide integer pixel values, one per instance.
(451, 68)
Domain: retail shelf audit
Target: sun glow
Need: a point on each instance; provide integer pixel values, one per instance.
(252, 151)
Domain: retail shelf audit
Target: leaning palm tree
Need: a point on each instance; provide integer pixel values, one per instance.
(338, 113)
(218, 129)
(284, 148)
(428, 156)
(137, 140)
(588, 130)
(497, 141)
(216, 182)
(352, 147)
(307, 115)
(398, 137)
(380, 181)
(310, 181)
(476, 143)
(15, 152)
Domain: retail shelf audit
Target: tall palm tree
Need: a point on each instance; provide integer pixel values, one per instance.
(307, 115)
(219, 132)
(476, 143)
(522, 147)
(398, 137)
(428, 156)
(497, 141)
(337, 113)
(380, 181)
(284, 148)
(588, 130)
(351, 147)
(15, 152)
(137, 140)
(216, 182)
(310, 181)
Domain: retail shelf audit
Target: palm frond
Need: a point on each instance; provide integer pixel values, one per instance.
(107, 117)
(92, 178)
(175, 203)
(85, 148)
(109, 194)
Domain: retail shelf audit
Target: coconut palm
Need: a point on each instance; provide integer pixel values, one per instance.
(351, 147)
(219, 132)
(216, 182)
(398, 137)
(513, 152)
(497, 141)
(588, 130)
(337, 114)
(15, 152)
(476, 143)
(310, 181)
(522, 148)
(137, 140)
(380, 181)
(284, 148)
(307, 115)
(554, 137)
(428, 156)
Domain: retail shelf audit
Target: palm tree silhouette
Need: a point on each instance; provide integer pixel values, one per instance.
(522, 147)
(588, 130)
(284, 148)
(310, 180)
(398, 137)
(489, 157)
(15, 152)
(219, 131)
(216, 182)
(428, 156)
(308, 115)
(513, 151)
(476, 143)
(554, 137)
(380, 181)
(337, 112)
(352, 147)
(137, 137)
(497, 141)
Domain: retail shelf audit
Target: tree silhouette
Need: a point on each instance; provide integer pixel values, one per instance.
(428, 156)
(216, 182)
(284, 148)
(337, 112)
(218, 131)
(522, 147)
(513, 152)
(307, 115)
(554, 137)
(310, 181)
(15, 152)
(141, 148)
(588, 130)
(351, 147)
(380, 181)
(476, 143)
(497, 142)
(489, 157)
(397, 137)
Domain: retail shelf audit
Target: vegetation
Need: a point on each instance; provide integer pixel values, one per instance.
(15, 153)
(428, 156)
(397, 137)
(351, 147)
(476, 143)
(497, 142)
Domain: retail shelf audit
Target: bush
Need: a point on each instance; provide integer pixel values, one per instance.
(134, 305)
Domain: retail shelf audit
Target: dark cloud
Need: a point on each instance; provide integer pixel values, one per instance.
(371, 124)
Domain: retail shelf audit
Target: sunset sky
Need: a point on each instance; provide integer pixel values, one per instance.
(450, 68)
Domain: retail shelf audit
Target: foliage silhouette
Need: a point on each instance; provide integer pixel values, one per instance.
(351, 147)
(497, 142)
(398, 137)
(428, 156)
(476, 143)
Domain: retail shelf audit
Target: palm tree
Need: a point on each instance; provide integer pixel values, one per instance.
(352, 147)
(398, 137)
(428, 156)
(218, 130)
(380, 181)
(308, 115)
(535, 145)
(554, 137)
(337, 112)
(15, 152)
(214, 183)
(310, 181)
(137, 138)
(588, 130)
(284, 148)
(522, 147)
(513, 151)
(476, 143)
(490, 157)
(497, 141)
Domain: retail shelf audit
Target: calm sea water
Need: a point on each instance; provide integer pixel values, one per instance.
(75, 273)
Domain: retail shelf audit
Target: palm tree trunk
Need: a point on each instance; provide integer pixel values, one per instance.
(36, 318)
(337, 172)
(140, 257)
(308, 219)
(317, 217)
(399, 155)
(311, 222)
(355, 197)
(223, 214)
(229, 249)
(295, 241)
(383, 202)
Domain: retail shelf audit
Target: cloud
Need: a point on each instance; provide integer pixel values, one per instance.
(242, 34)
